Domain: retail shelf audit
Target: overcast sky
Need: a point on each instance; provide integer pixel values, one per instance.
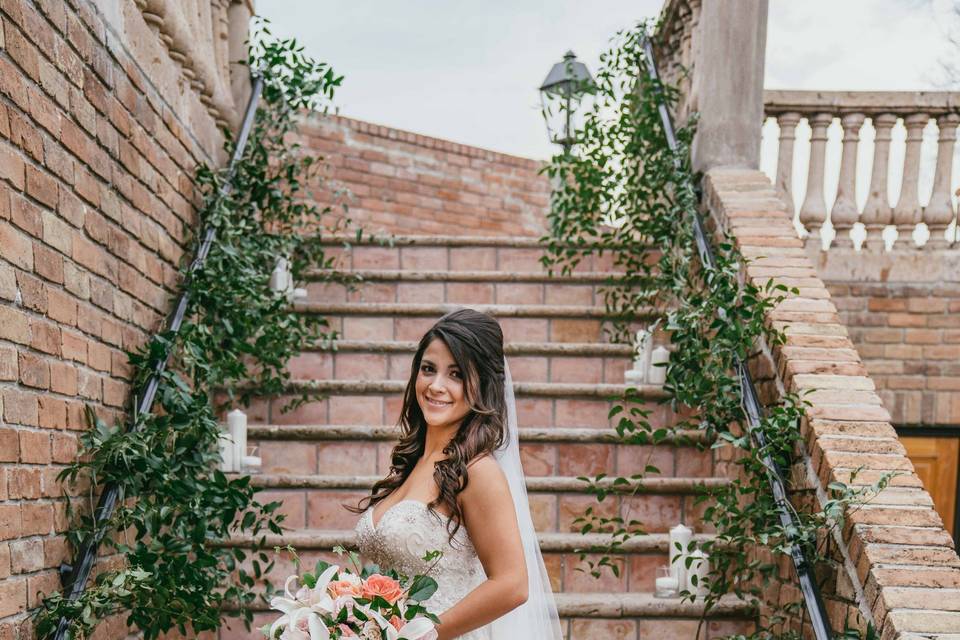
(467, 71)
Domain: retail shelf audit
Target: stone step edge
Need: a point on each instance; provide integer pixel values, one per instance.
(424, 275)
(336, 432)
(411, 309)
(417, 240)
(534, 484)
(628, 605)
(521, 389)
(572, 349)
(327, 539)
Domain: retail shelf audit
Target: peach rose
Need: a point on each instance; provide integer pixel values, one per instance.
(339, 588)
(396, 622)
(383, 586)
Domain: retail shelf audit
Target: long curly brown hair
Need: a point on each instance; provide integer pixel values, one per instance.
(475, 340)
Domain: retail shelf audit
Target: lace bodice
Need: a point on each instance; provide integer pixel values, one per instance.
(408, 530)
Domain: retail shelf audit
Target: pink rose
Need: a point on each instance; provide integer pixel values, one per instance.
(396, 622)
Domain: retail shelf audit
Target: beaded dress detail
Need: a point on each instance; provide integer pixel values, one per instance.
(408, 530)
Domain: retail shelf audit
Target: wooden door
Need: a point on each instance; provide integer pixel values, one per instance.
(936, 460)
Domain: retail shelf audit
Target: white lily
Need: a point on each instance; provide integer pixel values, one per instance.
(291, 605)
(413, 630)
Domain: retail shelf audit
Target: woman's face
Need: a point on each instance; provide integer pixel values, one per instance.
(440, 387)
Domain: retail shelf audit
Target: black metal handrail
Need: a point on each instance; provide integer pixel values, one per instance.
(751, 403)
(74, 577)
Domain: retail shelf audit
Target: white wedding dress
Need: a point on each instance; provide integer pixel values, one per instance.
(404, 533)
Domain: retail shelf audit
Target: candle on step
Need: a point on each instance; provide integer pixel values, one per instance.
(680, 537)
(658, 374)
(665, 585)
(697, 573)
(641, 359)
(280, 278)
(225, 444)
(237, 425)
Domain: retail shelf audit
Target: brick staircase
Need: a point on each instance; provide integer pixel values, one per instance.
(330, 452)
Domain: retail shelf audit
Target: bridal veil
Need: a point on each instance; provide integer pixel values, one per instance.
(537, 618)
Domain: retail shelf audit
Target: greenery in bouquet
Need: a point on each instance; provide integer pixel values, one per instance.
(367, 603)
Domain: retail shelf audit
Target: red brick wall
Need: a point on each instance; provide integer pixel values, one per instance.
(901, 309)
(406, 183)
(98, 143)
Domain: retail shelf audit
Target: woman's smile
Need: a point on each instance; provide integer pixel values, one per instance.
(439, 386)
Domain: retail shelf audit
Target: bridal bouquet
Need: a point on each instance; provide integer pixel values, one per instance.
(334, 603)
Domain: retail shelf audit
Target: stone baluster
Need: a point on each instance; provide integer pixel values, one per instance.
(844, 212)
(939, 212)
(813, 212)
(877, 212)
(906, 214)
(788, 134)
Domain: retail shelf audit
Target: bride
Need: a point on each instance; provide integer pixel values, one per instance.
(456, 485)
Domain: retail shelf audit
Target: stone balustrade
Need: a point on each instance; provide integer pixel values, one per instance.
(206, 38)
(880, 222)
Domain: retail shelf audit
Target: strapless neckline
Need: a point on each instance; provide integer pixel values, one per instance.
(400, 540)
(376, 525)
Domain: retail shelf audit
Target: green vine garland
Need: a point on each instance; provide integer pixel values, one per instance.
(234, 343)
(621, 193)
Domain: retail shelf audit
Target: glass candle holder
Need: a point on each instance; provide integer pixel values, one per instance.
(666, 585)
(251, 462)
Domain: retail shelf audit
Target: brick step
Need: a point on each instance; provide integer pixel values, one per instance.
(450, 253)
(327, 539)
(636, 561)
(315, 501)
(520, 322)
(511, 349)
(351, 449)
(463, 287)
(532, 362)
(546, 404)
(592, 616)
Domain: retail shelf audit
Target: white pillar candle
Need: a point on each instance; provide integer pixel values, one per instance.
(641, 361)
(699, 567)
(237, 426)
(280, 278)
(658, 375)
(225, 445)
(680, 537)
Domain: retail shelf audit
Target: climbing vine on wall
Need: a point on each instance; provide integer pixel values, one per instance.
(175, 505)
(625, 193)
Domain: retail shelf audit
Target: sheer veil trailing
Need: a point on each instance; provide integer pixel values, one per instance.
(537, 618)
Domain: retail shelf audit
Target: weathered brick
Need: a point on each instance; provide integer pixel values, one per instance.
(42, 186)
(36, 518)
(52, 412)
(14, 325)
(9, 445)
(8, 363)
(74, 346)
(34, 371)
(48, 263)
(16, 246)
(12, 166)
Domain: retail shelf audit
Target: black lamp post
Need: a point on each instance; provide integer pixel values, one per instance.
(560, 95)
